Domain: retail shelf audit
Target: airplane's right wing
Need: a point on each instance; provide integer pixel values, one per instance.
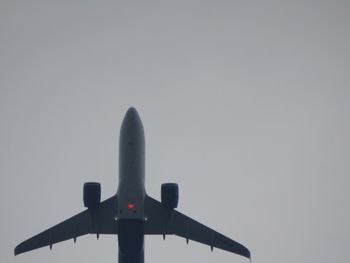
(101, 221)
(160, 221)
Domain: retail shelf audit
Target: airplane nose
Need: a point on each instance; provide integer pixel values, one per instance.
(132, 114)
(132, 118)
(132, 124)
(131, 131)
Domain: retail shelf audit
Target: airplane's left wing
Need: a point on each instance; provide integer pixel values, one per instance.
(162, 221)
(99, 221)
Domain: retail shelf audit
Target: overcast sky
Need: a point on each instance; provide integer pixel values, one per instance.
(245, 104)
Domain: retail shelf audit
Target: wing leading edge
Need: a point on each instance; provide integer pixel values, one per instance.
(161, 221)
(99, 221)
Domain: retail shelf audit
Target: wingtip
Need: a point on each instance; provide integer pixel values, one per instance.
(247, 254)
(18, 250)
(15, 251)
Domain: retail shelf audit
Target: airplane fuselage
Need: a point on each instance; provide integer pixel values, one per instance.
(131, 189)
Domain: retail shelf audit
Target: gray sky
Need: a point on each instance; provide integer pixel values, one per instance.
(245, 105)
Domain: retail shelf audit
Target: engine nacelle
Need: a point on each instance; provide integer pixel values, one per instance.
(170, 195)
(92, 195)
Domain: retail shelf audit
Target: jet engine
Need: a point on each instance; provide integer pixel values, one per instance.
(92, 195)
(170, 195)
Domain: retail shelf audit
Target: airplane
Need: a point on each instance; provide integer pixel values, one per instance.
(131, 213)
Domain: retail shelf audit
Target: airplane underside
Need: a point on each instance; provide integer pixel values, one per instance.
(131, 213)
